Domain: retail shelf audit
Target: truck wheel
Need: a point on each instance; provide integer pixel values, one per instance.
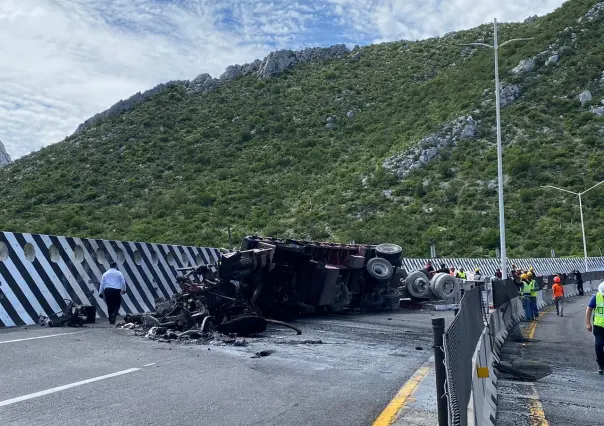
(444, 286)
(417, 285)
(380, 270)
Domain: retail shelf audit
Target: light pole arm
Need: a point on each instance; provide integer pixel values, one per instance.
(515, 39)
(589, 189)
(560, 189)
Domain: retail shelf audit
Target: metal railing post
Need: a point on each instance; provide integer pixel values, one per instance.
(438, 326)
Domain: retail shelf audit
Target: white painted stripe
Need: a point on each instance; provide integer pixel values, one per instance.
(149, 365)
(41, 337)
(31, 270)
(5, 317)
(125, 297)
(64, 387)
(31, 298)
(17, 306)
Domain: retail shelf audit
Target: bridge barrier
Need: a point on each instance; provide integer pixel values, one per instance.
(38, 272)
(472, 385)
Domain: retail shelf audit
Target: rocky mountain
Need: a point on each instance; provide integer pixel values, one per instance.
(4, 157)
(389, 142)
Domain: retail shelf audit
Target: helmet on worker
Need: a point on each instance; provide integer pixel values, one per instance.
(601, 288)
(557, 280)
(524, 276)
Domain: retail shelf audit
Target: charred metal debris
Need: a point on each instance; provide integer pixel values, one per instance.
(269, 280)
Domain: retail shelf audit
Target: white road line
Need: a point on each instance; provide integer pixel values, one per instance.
(40, 337)
(149, 365)
(64, 387)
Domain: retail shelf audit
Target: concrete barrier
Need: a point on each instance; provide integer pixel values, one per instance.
(482, 409)
(37, 272)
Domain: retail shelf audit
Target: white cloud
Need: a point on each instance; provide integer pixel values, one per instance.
(65, 60)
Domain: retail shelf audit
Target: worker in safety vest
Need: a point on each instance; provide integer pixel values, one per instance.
(595, 309)
(526, 289)
(461, 274)
(534, 290)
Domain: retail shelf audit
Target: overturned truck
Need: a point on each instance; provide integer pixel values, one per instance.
(282, 279)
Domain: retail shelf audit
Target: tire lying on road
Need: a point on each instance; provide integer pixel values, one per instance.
(391, 252)
(418, 285)
(444, 286)
(380, 270)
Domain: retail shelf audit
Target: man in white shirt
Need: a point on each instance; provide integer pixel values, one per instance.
(113, 285)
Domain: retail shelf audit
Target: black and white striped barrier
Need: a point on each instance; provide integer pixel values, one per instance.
(37, 272)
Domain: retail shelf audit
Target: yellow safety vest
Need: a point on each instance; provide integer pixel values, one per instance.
(462, 275)
(527, 288)
(599, 311)
(533, 288)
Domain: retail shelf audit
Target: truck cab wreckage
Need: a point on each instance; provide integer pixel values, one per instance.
(272, 279)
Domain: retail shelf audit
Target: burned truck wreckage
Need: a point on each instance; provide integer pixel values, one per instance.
(269, 280)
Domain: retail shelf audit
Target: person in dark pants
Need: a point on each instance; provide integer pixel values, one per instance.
(595, 310)
(579, 279)
(113, 285)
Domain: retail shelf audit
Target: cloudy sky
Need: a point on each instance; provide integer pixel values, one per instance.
(62, 61)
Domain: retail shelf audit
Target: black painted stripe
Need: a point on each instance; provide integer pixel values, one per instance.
(16, 289)
(8, 306)
(30, 280)
(64, 281)
(133, 299)
(151, 268)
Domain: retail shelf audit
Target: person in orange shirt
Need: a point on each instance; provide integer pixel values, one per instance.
(558, 296)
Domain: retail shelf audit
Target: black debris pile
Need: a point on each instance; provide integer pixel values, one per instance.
(72, 315)
(216, 302)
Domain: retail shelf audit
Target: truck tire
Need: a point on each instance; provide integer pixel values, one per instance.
(444, 286)
(391, 252)
(380, 270)
(418, 285)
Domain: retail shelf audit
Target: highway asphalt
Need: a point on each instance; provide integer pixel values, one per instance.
(343, 370)
(572, 393)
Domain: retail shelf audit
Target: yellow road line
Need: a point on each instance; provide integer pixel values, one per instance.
(387, 417)
(536, 412)
(537, 415)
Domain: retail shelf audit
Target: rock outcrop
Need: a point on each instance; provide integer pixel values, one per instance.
(509, 94)
(526, 65)
(585, 97)
(423, 152)
(4, 157)
(128, 104)
(594, 13)
(274, 64)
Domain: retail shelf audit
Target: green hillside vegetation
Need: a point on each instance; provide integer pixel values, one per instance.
(256, 154)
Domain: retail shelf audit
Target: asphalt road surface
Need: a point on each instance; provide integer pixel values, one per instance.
(342, 370)
(572, 393)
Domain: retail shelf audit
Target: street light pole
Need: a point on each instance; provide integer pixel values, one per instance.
(580, 195)
(583, 233)
(495, 48)
(499, 156)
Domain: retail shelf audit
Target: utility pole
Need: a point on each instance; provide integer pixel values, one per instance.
(495, 48)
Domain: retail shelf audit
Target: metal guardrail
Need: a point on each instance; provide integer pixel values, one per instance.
(460, 341)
